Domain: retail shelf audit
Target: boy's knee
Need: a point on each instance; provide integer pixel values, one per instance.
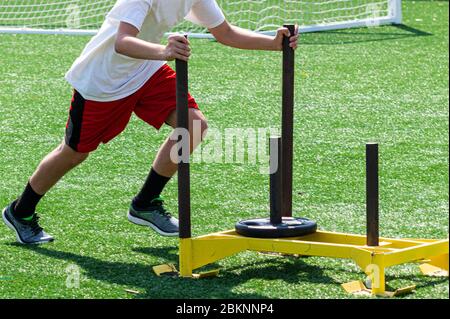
(199, 122)
(73, 157)
(79, 158)
(204, 126)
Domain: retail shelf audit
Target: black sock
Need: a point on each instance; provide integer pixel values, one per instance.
(152, 188)
(26, 204)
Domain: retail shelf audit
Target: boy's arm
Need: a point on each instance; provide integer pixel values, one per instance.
(236, 37)
(128, 44)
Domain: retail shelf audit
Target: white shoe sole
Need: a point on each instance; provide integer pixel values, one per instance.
(141, 222)
(10, 226)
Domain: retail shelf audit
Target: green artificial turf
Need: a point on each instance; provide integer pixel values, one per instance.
(386, 84)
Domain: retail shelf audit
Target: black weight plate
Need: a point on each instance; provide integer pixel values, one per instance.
(262, 228)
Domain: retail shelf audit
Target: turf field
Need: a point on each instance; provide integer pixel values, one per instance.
(386, 84)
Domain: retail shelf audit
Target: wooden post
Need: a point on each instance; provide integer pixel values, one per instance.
(372, 200)
(287, 125)
(275, 181)
(184, 195)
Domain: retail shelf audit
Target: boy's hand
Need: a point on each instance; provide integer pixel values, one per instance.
(178, 47)
(281, 33)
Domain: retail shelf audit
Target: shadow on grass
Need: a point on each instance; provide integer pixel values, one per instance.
(421, 281)
(362, 35)
(140, 276)
(291, 270)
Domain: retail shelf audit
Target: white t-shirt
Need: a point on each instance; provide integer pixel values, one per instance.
(102, 74)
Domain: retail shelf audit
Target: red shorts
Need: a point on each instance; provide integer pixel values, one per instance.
(91, 123)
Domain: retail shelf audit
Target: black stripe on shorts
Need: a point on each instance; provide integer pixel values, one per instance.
(73, 129)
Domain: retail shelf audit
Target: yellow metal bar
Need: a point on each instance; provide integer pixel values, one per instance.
(307, 248)
(418, 252)
(440, 261)
(185, 257)
(208, 250)
(203, 250)
(294, 245)
(357, 240)
(421, 240)
(343, 238)
(398, 243)
(376, 272)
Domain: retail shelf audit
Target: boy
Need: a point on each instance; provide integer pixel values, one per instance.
(120, 71)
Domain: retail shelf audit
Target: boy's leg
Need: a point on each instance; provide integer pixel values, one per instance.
(90, 123)
(54, 166)
(157, 106)
(20, 215)
(51, 169)
(163, 167)
(163, 163)
(147, 207)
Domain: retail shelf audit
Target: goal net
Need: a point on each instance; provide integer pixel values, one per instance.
(86, 16)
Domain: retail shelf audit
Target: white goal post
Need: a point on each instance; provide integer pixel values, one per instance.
(84, 17)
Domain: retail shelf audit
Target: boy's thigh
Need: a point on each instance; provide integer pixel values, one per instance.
(91, 123)
(157, 99)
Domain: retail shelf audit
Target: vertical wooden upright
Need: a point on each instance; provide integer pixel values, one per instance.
(372, 200)
(275, 181)
(184, 195)
(287, 125)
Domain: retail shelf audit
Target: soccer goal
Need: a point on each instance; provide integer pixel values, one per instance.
(86, 16)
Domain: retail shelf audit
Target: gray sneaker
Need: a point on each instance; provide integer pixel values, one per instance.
(27, 232)
(156, 217)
